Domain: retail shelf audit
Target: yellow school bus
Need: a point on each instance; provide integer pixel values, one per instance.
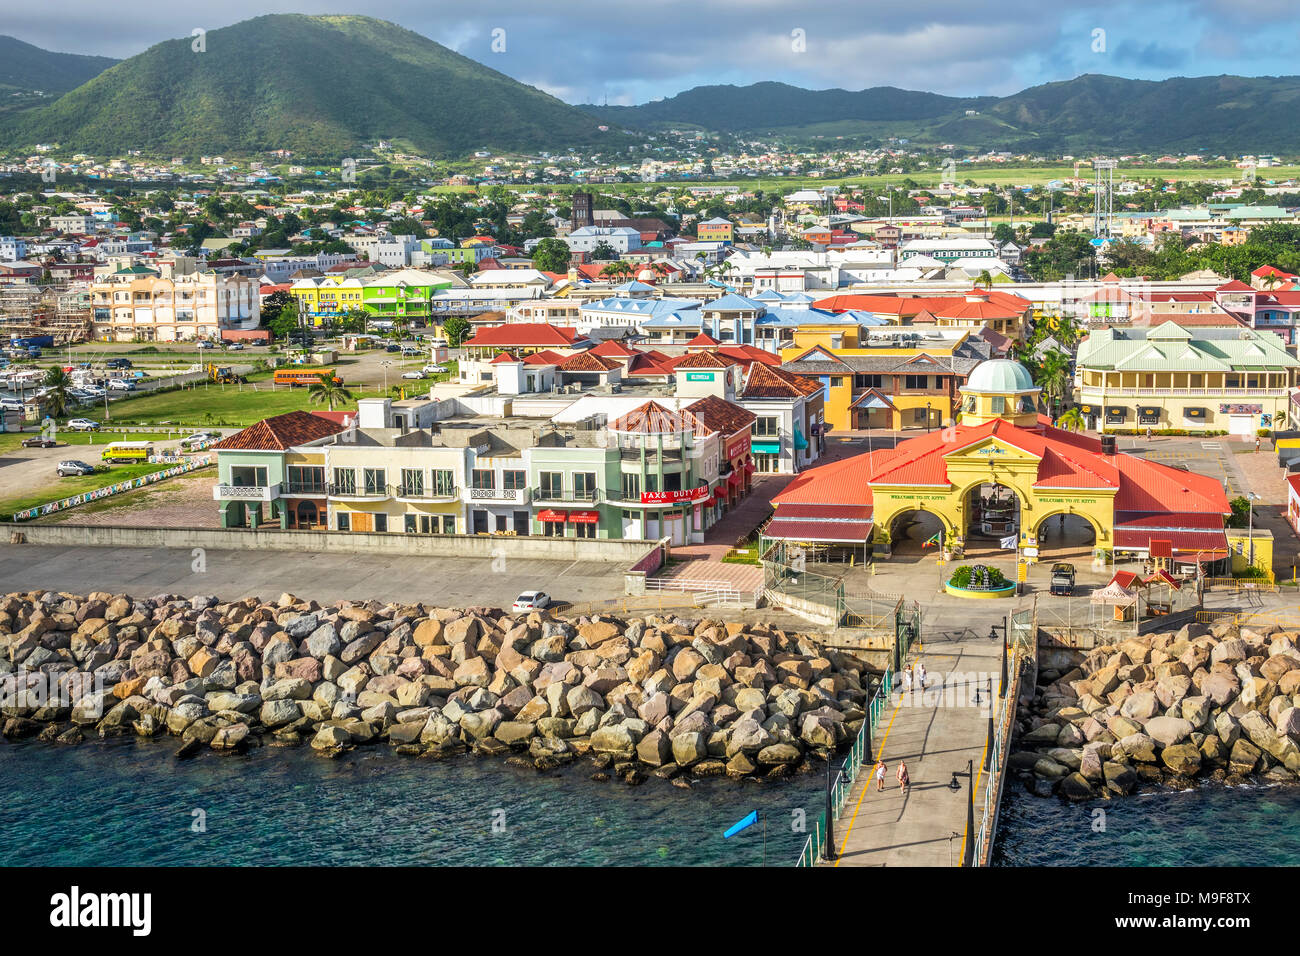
(304, 376)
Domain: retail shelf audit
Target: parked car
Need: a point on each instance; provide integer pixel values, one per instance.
(74, 467)
(198, 438)
(205, 344)
(531, 601)
(39, 441)
(11, 404)
(236, 346)
(1062, 578)
(83, 425)
(118, 363)
(120, 385)
(414, 375)
(93, 390)
(434, 369)
(392, 347)
(412, 350)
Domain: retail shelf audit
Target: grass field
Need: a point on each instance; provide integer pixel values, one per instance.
(66, 487)
(981, 173)
(217, 405)
(92, 441)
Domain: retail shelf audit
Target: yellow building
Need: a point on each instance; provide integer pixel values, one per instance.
(1004, 479)
(888, 379)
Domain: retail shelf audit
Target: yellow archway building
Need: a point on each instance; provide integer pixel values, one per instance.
(1001, 442)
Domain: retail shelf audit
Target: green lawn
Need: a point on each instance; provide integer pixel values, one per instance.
(92, 441)
(231, 405)
(65, 487)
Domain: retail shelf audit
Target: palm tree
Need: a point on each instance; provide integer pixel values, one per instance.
(57, 382)
(984, 280)
(1053, 374)
(330, 391)
(1270, 280)
(1071, 420)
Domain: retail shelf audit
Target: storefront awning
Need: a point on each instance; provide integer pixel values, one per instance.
(1148, 411)
(799, 441)
(1198, 413)
(585, 517)
(1116, 413)
(766, 447)
(733, 478)
(547, 515)
(828, 532)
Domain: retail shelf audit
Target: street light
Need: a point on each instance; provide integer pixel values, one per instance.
(993, 636)
(384, 366)
(927, 418)
(968, 858)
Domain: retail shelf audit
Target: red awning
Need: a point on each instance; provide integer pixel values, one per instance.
(548, 515)
(733, 478)
(585, 517)
(837, 532)
(1187, 541)
(749, 467)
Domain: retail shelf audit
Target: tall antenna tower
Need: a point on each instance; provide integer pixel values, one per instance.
(1102, 196)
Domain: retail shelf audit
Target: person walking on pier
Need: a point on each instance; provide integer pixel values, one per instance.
(920, 675)
(880, 775)
(907, 681)
(904, 781)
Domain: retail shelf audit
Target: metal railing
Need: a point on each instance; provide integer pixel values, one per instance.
(518, 495)
(354, 491)
(426, 493)
(566, 495)
(303, 488)
(842, 786)
(1023, 649)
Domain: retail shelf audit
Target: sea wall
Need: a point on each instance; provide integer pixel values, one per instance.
(659, 694)
(1207, 701)
(241, 539)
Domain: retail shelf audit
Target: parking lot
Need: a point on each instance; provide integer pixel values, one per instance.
(325, 577)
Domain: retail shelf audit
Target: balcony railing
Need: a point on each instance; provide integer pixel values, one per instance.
(316, 489)
(566, 495)
(425, 493)
(1099, 395)
(516, 495)
(351, 491)
(246, 492)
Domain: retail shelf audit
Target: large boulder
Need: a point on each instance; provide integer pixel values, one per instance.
(690, 748)
(1168, 730)
(1184, 759)
(1140, 747)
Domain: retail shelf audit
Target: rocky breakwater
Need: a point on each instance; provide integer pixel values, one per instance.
(1215, 702)
(653, 695)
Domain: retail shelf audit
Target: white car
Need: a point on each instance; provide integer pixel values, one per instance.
(434, 369)
(236, 347)
(198, 438)
(82, 425)
(531, 601)
(121, 385)
(94, 390)
(415, 375)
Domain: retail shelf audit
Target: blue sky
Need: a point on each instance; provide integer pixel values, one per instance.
(631, 52)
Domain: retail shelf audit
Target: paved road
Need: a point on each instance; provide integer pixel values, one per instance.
(325, 577)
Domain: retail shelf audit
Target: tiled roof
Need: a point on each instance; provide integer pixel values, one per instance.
(703, 360)
(587, 362)
(613, 348)
(765, 381)
(705, 339)
(280, 432)
(503, 358)
(650, 418)
(544, 357)
(719, 415)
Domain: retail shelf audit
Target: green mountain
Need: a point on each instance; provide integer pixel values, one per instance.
(27, 67)
(319, 85)
(775, 106)
(1219, 114)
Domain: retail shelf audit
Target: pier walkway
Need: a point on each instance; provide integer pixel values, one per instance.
(935, 734)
